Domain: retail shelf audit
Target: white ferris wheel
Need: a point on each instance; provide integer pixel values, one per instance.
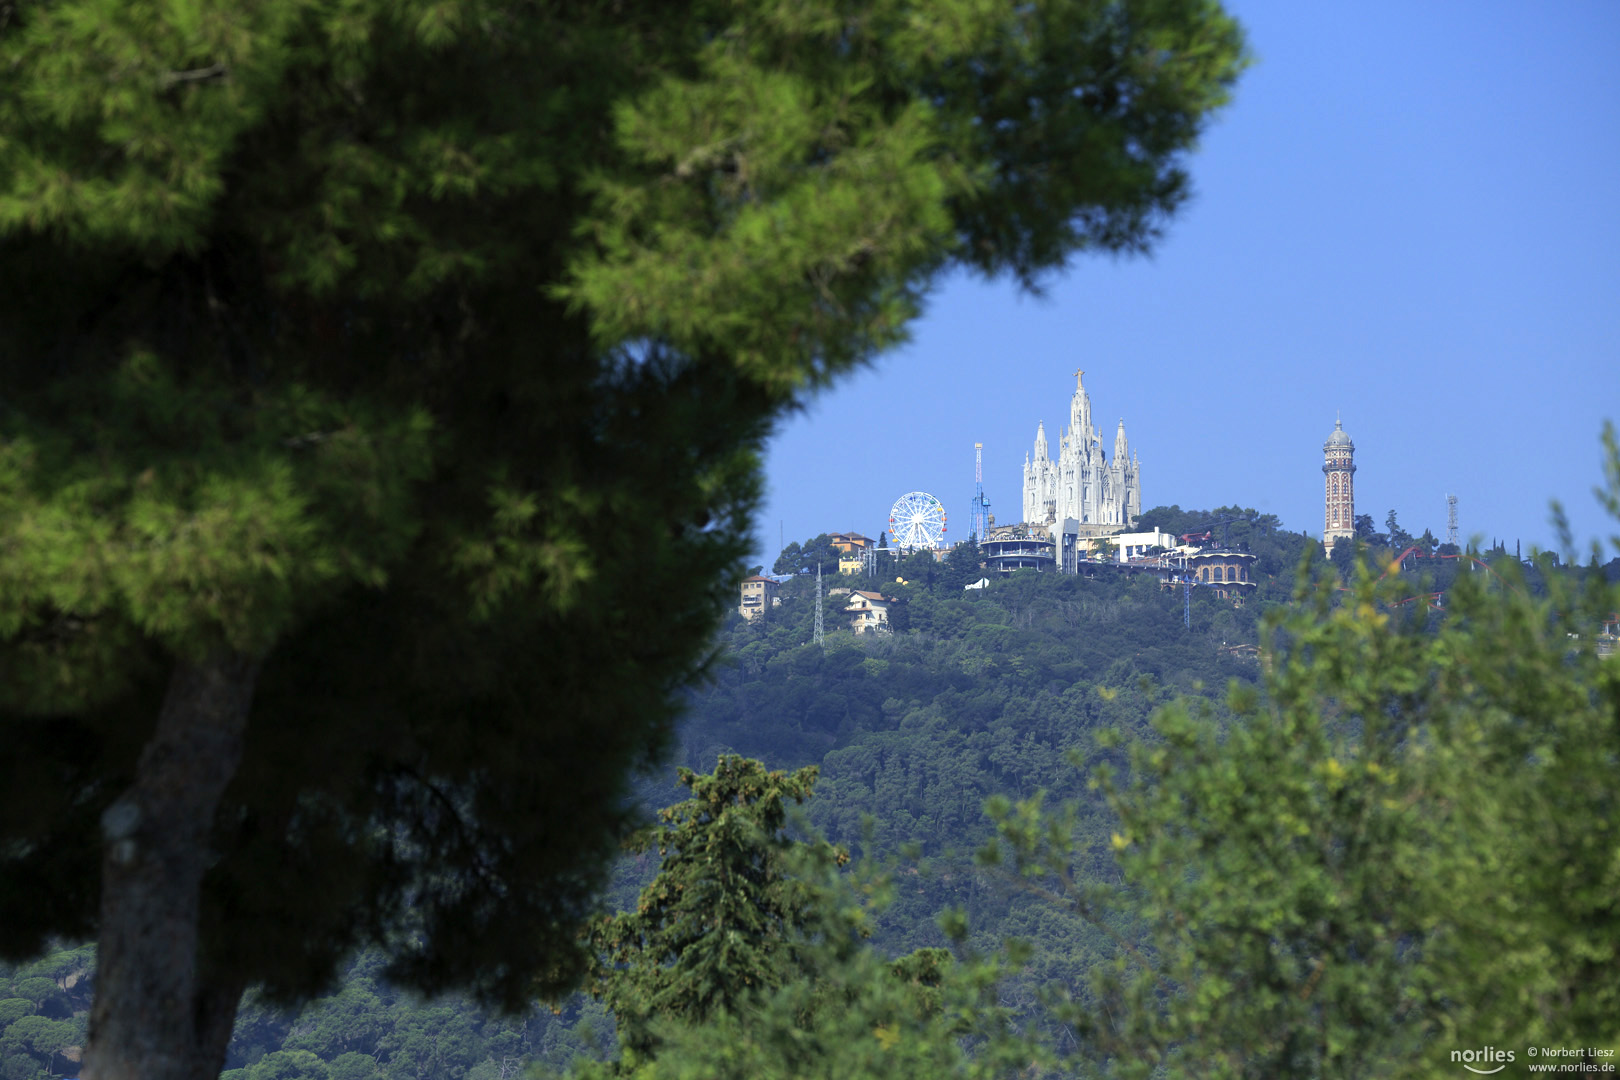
(917, 520)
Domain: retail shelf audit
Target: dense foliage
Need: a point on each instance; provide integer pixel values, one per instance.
(375, 373)
(342, 344)
(1252, 870)
(725, 918)
(984, 692)
(746, 954)
(44, 1007)
(1399, 849)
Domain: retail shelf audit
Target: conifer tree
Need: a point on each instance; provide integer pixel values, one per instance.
(727, 917)
(382, 386)
(747, 956)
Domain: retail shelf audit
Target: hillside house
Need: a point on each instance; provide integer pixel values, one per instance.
(850, 543)
(868, 611)
(758, 593)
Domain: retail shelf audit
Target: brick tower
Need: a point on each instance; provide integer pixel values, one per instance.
(1339, 465)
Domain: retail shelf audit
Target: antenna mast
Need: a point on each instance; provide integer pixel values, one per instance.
(821, 635)
(1451, 520)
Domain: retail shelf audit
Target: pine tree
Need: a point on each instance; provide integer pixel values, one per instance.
(747, 956)
(727, 917)
(383, 392)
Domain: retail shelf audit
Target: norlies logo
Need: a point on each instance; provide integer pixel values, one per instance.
(1485, 1055)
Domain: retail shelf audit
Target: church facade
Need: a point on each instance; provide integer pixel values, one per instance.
(1083, 484)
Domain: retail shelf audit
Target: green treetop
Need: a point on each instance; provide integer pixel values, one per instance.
(727, 916)
(1406, 846)
(746, 956)
(382, 387)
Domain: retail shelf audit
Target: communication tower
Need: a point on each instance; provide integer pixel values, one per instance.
(821, 634)
(979, 520)
(1451, 520)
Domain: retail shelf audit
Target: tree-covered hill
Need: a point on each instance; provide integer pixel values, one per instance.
(1033, 686)
(984, 692)
(44, 1006)
(977, 693)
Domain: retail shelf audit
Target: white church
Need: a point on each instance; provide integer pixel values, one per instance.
(1084, 485)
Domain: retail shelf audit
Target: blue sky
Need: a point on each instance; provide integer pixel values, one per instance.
(1409, 214)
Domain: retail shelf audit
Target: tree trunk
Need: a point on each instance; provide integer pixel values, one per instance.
(155, 1017)
(215, 1017)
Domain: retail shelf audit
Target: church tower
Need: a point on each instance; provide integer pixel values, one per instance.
(1338, 463)
(1083, 484)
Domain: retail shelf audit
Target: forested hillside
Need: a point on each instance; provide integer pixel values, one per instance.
(985, 692)
(43, 1009)
(1033, 687)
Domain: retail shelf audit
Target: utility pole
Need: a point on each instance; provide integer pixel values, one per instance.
(821, 635)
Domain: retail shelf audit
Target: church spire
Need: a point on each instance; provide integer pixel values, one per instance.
(1081, 432)
(1040, 441)
(1122, 451)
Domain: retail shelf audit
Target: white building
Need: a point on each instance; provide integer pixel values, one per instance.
(1083, 485)
(868, 611)
(1128, 546)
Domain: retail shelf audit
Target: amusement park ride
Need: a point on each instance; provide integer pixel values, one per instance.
(979, 520)
(917, 520)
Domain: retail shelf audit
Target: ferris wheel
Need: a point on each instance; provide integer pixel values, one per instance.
(917, 520)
